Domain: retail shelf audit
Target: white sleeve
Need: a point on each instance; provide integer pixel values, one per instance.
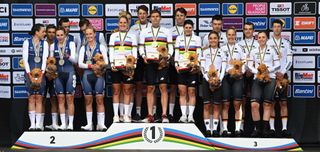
(111, 49)
(134, 46)
(199, 51)
(170, 43)
(45, 56)
(289, 60)
(52, 50)
(276, 62)
(141, 43)
(243, 59)
(78, 45)
(25, 55)
(223, 66)
(176, 53)
(72, 57)
(81, 59)
(205, 42)
(250, 63)
(103, 50)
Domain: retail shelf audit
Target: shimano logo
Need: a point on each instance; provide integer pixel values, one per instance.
(22, 10)
(209, 9)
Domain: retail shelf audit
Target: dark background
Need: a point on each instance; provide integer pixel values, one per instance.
(303, 113)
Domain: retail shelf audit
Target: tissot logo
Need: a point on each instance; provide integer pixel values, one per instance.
(284, 8)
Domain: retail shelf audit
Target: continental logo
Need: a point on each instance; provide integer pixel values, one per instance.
(92, 10)
(232, 9)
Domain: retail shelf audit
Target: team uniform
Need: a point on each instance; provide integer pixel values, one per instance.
(35, 57)
(222, 41)
(150, 39)
(65, 83)
(90, 82)
(139, 71)
(283, 50)
(186, 45)
(176, 31)
(230, 86)
(121, 45)
(218, 59)
(247, 46)
(212, 56)
(268, 57)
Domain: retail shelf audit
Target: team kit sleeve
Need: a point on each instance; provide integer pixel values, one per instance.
(289, 59)
(141, 43)
(251, 61)
(45, 56)
(73, 49)
(111, 49)
(223, 66)
(81, 59)
(25, 56)
(170, 43)
(134, 46)
(177, 54)
(276, 61)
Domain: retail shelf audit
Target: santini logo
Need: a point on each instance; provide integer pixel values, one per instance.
(304, 91)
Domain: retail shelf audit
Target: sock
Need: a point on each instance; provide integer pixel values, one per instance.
(32, 117)
(100, 116)
(191, 110)
(70, 120)
(266, 125)
(138, 109)
(242, 124)
(171, 108)
(89, 118)
(41, 119)
(238, 124)
(207, 123)
(115, 109)
(154, 109)
(225, 124)
(284, 120)
(257, 125)
(187, 109)
(215, 124)
(54, 117)
(63, 119)
(126, 110)
(121, 105)
(130, 108)
(183, 110)
(67, 116)
(272, 123)
(38, 119)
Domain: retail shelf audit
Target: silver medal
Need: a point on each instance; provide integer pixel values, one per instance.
(37, 59)
(89, 62)
(61, 62)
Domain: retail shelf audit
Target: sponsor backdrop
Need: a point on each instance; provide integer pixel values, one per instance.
(302, 24)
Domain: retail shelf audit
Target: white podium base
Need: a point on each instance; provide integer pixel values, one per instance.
(153, 136)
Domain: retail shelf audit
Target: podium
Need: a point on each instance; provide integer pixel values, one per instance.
(147, 136)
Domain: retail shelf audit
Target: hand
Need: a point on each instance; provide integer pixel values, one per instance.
(114, 69)
(67, 56)
(279, 75)
(177, 68)
(145, 60)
